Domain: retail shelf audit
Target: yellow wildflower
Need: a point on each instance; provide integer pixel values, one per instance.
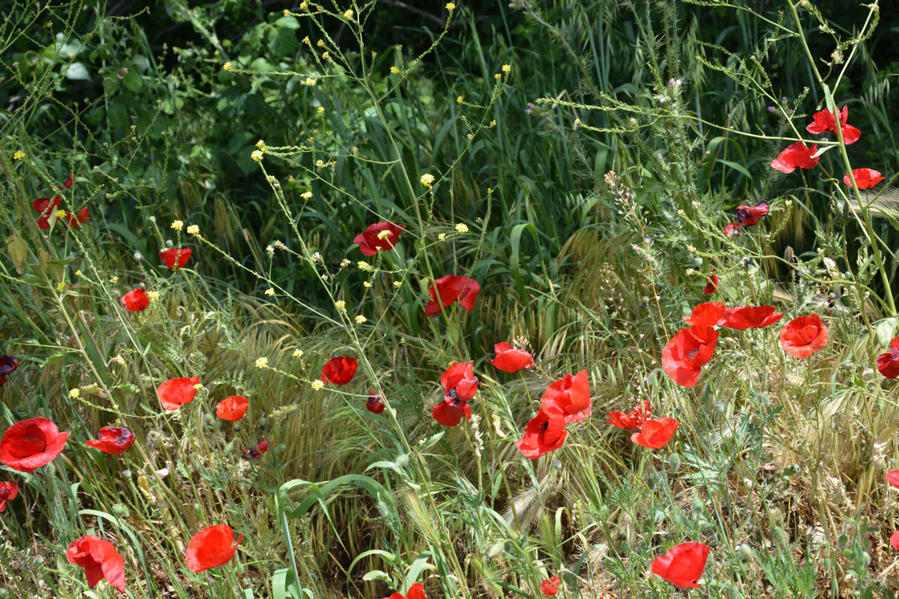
(261, 144)
(306, 195)
(367, 284)
(348, 15)
(360, 319)
(394, 69)
(78, 273)
(153, 295)
(441, 237)
(397, 284)
(113, 279)
(270, 292)
(75, 393)
(256, 155)
(177, 225)
(18, 155)
(340, 305)
(226, 66)
(309, 81)
(344, 263)
(462, 228)
(61, 285)
(450, 6)
(427, 180)
(304, 5)
(306, 41)
(193, 230)
(319, 163)
(60, 213)
(261, 362)
(297, 353)
(325, 56)
(317, 385)
(321, 109)
(459, 99)
(320, 43)
(498, 76)
(365, 266)
(507, 69)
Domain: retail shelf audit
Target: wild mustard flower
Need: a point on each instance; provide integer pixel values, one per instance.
(193, 230)
(153, 295)
(462, 228)
(256, 155)
(309, 81)
(306, 195)
(498, 76)
(427, 180)
(340, 305)
(269, 292)
(320, 43)
(270, 249)
(304, 5)
(60, 213)
(114, 279)
(360, 319)
(459, 99)
(365, 266)
(306, 41)
(261, 362)
(18, 155)
(441, 237)
(367, 284)
(321, 109)
(394, 69)
(61, 285)
(450, 6)
(348, 15)
(75, 393)
(344, 263)
(319, 163)
(226, 66)
(325, 56)
(297, 353)
(317, 385)
(493, 123)
(397, 284)
(78, 273)
(506, 69)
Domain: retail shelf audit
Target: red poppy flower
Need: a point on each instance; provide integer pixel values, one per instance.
(865, 178)
(655, 432)
(452, 288)
(682, 566)
(825, 120)
(893, 478)
(711, 284)
(377, 237)
(416, 591)
(544, 433)
(796, 155)
(8, 492)
(211, 547)
(7, 365)
(803, 336)
(113, 440)
(632, 420)
(450, 413)
(459, 382)
(99, 559)
(750, 215)
(550, 587)
(374, 404)
(894, 540)
(136, 300)
(29, 444)
(339, 370)
(888, 363)
(706, 314)
(687, 352)
(741, 318)
(47, 208)
(232, 408)
(570, 396)
(175, 257)
(73, 220)
(174, 393)
(251, 453)
(509, 359)
(732, 229)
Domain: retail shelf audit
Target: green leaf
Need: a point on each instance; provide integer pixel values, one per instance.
(78, 72)
(885, 330)
(133, 81)
(283, 42)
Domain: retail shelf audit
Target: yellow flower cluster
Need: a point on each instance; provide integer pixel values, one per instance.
(317, 385)
(427, 180)
(177, 225)
(256, 155)
(226, 66)
(261, 362)
(18, 155)
(462, 228)
(193, 230)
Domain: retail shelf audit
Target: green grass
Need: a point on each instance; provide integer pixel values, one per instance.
(593, 219)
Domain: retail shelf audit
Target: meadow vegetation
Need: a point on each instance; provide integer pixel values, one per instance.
(580, 175)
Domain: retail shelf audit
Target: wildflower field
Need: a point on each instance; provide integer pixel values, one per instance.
(590, 299)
